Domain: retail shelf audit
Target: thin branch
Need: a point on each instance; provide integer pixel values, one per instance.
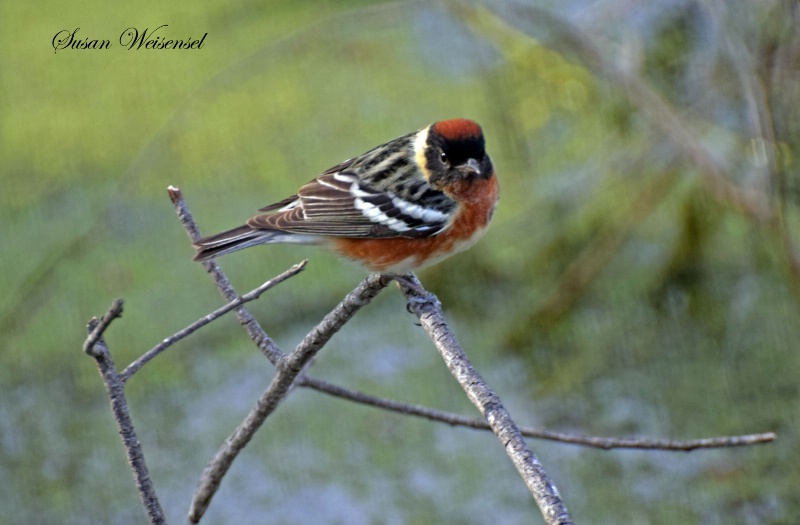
(606, 443)
(169, 341)
(335, 320)
(427, 308)
(652, 444)
(263, 341)
(288, 370)
(96, 347)
(98, 327)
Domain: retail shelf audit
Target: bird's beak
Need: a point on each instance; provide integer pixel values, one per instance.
(473, 166)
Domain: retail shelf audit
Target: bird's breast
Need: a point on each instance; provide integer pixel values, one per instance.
(476, 204)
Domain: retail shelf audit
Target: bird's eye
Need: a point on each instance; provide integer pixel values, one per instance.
(443, 158)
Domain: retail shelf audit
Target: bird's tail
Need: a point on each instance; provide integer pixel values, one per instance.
(234, 240)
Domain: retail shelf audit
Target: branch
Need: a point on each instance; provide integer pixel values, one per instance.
(96, 347)
(171, 340)
(653, 444)
(288, 369)
(605, 443)
(98, 327)
(263, 341)
(427, 308)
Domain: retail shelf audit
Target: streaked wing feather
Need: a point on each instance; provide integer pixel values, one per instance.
(280, 204)
(342, 166)
(341, 203)
(326, 208)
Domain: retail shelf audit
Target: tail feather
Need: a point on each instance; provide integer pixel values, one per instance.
(246, 236)
(232, 241)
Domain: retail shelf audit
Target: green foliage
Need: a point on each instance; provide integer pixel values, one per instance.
(619, 291)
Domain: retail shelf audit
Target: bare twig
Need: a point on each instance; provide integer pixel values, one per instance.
(427, 308)
(263, 341)
(652, 444)
(288, 370)
(98, 327)
(606, 443)
(171, 340)
(96, 347)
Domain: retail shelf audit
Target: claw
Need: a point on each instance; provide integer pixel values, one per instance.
(420, 295)
(424, 298)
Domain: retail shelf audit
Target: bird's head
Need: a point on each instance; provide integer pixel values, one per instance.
(453, 151)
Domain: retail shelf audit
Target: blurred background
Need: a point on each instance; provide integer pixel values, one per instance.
(641, 276)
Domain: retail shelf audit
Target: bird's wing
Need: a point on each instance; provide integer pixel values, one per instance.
(291, 200)
(340, 203)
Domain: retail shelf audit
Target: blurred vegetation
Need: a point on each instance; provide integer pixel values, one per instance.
(641, 277)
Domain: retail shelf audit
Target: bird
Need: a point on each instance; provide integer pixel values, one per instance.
(403, 205)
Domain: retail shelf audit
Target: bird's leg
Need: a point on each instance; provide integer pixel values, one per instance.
(419, 294)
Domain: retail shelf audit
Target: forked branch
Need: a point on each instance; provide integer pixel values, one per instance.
(288, 369)
(96, 347)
